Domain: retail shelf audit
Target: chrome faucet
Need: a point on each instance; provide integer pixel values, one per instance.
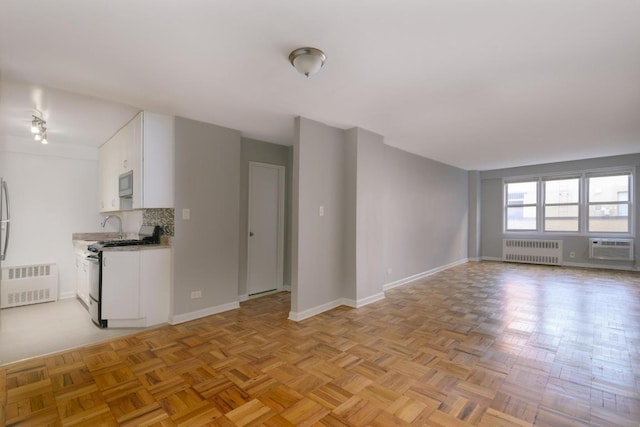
(120, 235)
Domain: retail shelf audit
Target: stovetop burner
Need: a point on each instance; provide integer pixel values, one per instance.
(150, 236)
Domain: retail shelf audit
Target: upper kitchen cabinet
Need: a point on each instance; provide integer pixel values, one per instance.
(143, 147)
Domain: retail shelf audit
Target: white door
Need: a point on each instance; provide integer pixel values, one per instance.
(266, 228)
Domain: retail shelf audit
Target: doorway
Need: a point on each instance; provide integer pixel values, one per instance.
(265, 240)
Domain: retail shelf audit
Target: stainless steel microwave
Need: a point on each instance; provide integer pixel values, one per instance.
(125, 184)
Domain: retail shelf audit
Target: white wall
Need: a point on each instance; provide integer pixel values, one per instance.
(53, 192)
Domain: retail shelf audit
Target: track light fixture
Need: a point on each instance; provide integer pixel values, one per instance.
(39, 129)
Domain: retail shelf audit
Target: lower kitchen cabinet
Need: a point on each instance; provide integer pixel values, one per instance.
(120, 285)
(135, 287)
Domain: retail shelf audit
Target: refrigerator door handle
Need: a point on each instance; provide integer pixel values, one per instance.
(6, 223)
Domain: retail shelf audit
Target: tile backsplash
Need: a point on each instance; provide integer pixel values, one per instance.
(161, 217)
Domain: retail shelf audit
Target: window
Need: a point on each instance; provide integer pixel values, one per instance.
(608, 203)
(562, 204)
(521, 206)
(585, 202)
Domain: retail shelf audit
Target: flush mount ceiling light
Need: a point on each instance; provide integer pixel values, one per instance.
(307, 60)
(39, 129)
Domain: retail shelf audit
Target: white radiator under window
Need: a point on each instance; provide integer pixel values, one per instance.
(613, 249)
(532, 251)
(28, 284)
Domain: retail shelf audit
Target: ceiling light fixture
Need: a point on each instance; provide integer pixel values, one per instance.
(307, 60)
(39, 129)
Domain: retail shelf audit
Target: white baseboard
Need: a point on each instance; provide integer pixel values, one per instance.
(66, 295)
(475, 259)
(181, 318)
(286, 288)
(491, 258)
(580, 265)
(298, 316)
(301, 315)
(363, 301)
(423, 274)
(243, 297)
(602, 266)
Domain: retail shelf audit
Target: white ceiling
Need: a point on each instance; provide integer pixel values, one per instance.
(479, 84)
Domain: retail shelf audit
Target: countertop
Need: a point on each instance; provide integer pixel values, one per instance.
(82, 240)
(134, 248)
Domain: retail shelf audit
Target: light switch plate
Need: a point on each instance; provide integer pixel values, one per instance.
(321, 211)
(186, 213)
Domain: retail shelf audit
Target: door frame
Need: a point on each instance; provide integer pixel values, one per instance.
(280, 231)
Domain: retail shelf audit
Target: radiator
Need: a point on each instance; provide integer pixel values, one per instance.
(532, 251)
(615, 249)
(28, 284)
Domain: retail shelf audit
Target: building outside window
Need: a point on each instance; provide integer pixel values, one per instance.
(583, 202)
(562, 204)
(521, 206)
(609, 203)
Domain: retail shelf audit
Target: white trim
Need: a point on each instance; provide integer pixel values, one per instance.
(478, 259)
(127, 323)
(67, 295)
(280, 231)
(364, 301)
(580, 265)
(185, 317)
(286, 288)
(601, 266)
(424, 274)
(301, 315)
(243, 297)
(333, 304)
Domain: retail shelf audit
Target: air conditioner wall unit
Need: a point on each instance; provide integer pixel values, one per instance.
(611, 249)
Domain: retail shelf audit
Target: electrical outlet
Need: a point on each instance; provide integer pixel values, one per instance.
(321, 211)
(196, 294)
(572, 254)
(186, 213)
(389, 271)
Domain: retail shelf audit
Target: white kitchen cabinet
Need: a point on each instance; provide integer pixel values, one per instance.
(157, 160)
(108, 159)
(120, 285)
(155, 285)
(145, 146)
(136, 286)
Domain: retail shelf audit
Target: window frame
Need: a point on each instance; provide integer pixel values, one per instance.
(578, 204)
(629, 202)
(583, 203)
(506, 206)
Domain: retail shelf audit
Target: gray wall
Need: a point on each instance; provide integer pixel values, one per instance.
(369, 215)
(318, 273)
(205, 248)
(425, 207)
(492, 207)
(475, 215)
(258, 151)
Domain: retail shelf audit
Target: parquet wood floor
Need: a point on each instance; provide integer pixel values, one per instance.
(481, 344)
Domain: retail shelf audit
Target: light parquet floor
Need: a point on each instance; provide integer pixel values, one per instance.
(481, 344)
